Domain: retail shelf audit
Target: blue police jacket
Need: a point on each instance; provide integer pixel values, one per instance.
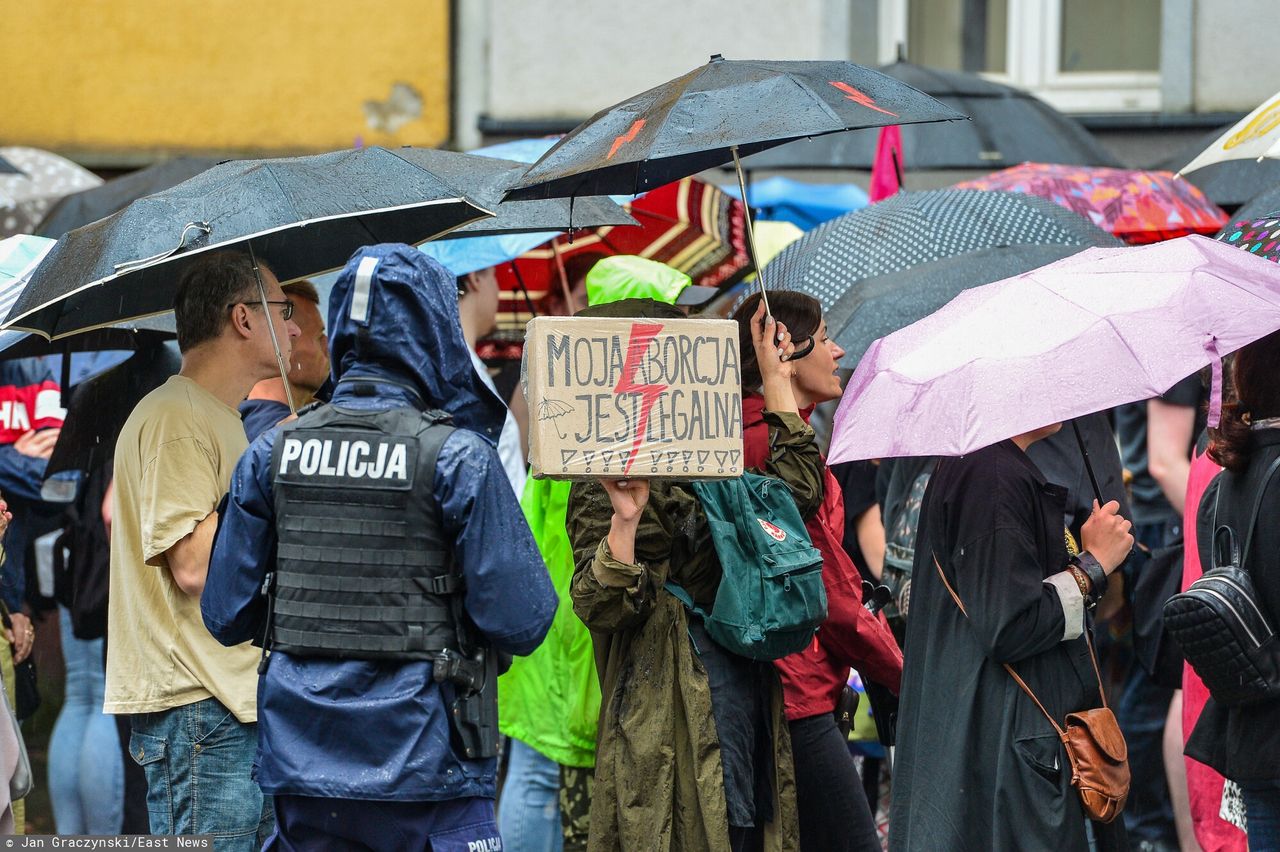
(379, 729)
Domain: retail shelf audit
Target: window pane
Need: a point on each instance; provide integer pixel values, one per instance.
(958, 35)
(1103, 35)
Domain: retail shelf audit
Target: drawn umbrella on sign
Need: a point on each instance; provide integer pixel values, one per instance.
(553, 409)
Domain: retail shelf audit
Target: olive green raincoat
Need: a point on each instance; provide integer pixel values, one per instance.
(659, 781)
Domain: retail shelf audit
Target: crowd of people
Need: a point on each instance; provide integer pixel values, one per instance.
(364, 627)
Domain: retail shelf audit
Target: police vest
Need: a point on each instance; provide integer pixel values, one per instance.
(363, 569)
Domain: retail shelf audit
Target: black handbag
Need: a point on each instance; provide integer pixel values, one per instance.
(26, 687)
(1223, 632)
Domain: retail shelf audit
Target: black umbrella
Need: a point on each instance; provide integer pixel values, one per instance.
(81, 208)
(99, 407)
(1227, 184)
(1006, 126)
(1264, 205)
(874, 307)
(722, 110)
(303, 215)
(489, 178)
(912, 228)
(719, 112)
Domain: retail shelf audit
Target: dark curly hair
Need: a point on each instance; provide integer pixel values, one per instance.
(1255, 374)
(799, 312)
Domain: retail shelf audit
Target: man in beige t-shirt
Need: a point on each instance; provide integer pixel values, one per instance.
(192, 702)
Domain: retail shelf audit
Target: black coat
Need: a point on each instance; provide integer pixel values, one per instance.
(978, 765)
(1243, 743)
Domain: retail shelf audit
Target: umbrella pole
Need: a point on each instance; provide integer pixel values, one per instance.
(751, 234)
(271, 329)
(1088, 466)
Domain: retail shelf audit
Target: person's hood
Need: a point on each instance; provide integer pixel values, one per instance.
(393, 315)
(631, 277)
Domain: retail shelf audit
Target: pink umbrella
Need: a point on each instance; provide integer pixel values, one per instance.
(1101, 328)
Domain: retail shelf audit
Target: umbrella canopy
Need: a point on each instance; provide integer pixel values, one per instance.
(805, 205)
(698, 121)
(89, 205)
(1264, 205)
(37, 180)
(690, 225)
(488, 178)
(1136, 206)
(875, 307)
(1253, 137)
(1258, 236)
(303, 215)
(1095, 330)
(1228, 184)
(1006, 126)
(8, 168)
(911, 228)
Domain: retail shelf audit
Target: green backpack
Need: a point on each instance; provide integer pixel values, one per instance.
(771, 599)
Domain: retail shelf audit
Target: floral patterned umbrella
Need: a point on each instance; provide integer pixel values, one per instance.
(1137, 206)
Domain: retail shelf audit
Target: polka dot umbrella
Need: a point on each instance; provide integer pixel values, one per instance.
(1259, 235)
(34, 183)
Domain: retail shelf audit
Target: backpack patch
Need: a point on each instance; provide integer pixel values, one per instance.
(774, 532)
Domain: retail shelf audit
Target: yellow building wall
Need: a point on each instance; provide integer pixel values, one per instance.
(140, 77)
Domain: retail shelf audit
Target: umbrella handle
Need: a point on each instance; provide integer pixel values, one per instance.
(271, 329)
(1088, 466)
(751, 234)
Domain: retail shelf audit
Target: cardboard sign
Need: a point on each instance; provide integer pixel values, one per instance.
(640, 398)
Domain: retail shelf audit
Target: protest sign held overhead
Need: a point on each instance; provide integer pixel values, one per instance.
(640, 398)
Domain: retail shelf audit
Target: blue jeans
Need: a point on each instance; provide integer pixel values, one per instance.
(86, 768)
(199, 762)
(529, 809)
(1262, 812)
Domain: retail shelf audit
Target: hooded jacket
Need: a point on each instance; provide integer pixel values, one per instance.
(851, 636)
(360, 729)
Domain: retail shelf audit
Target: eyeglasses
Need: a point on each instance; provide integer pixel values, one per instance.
(286, 312)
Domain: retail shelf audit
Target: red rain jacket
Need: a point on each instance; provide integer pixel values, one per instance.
(851, 636)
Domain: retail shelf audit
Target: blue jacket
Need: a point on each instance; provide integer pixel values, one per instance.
(379, 730)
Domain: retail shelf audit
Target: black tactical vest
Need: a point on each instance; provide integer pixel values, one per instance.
(363, 570)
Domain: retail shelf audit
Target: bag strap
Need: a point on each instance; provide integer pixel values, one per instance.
(1092, 656)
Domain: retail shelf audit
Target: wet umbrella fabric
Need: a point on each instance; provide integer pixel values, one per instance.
(919, 227)
(1265, 205)
(302, 215)
(875, 307)
(39, 179)
(1095, 330)
(1259, 237)
(1229, 184)
(696, 121)
(89, 205)
(8, 168)
(1006, 126)
(1136, 206)
(488, 178)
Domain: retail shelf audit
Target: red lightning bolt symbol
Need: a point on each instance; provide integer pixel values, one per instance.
(642, 334)
(626, 137)
(852, 94)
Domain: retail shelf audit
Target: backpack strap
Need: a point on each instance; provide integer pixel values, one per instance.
(1023, 684)
(1257, 509)
(685, 598)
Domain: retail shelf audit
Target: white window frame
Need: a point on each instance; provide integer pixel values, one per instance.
(1033, 58)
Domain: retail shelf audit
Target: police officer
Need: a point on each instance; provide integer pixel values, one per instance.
(396, 566)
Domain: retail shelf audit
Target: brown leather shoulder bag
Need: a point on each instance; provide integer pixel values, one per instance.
(1095, 747)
